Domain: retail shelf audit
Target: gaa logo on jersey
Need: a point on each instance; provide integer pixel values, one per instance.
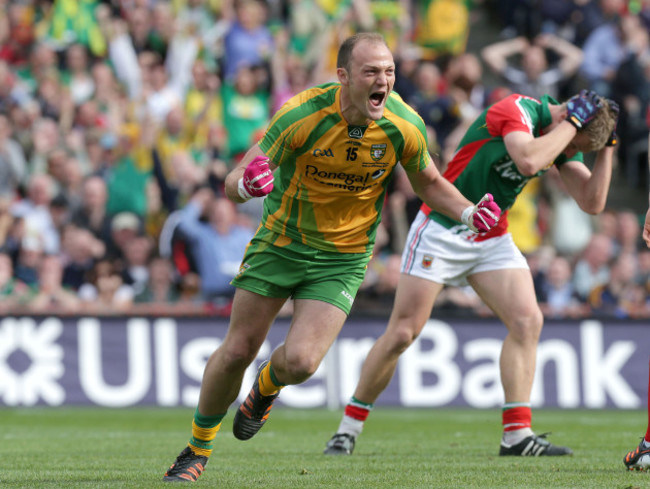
(427, 260)
(377, 151)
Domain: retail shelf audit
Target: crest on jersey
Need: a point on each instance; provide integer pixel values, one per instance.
(356, 132)
(377, 151)
(427, 260)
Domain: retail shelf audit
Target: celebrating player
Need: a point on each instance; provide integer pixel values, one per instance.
(511, 142)
(323, 165)
(639, 458)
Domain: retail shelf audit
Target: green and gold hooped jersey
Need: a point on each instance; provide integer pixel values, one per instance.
(331, 179)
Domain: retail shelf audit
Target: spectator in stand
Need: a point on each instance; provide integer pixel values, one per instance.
(248, 41)
(23, 115)
(10, 92)
(620, 296)
(137, 253)
(173, 135)
(407, 59)
(54, 101)
(76, 74)
(80, 250)
(104, 291)
(204, 109)
(16, 33)
(438, 110)
(557, 295)
(109, 98)
(155, 82)
(140, 28)
(50, 294)
(92, 215)
(159, 288)
(291, 74)
(13, 292)
(604, 51)
(534, 77)
(464, 76)
(569, 227)
(13, 168)
(631, 88)
(125, 227)
(217, 245)
(46, 138)
(246, 111)
(130, 172)
(29, 258)
(35, 209)
(592, 268)
(628, 232)
(6, 221)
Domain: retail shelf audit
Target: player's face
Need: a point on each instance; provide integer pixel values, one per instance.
(580, 143)
(370, 79)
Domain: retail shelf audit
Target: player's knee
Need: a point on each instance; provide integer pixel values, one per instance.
(236, 356)
(527, 328)
(403, 336)
(300, 367)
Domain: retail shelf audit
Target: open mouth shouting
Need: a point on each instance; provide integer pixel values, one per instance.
(377, 99)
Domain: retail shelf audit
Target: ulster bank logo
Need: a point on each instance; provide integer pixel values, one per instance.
(377, 151)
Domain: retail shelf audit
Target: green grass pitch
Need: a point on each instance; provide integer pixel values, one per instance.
(400, 448)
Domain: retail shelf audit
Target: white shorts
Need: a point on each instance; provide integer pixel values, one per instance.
(449, 256)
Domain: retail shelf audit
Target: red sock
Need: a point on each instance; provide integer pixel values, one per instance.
(516, 418)
(357, 412)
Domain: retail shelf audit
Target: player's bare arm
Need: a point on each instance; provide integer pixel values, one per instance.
(532, 154)
(588, 187)
(438, 193)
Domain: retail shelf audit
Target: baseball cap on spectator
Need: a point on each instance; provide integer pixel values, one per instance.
(125, 220)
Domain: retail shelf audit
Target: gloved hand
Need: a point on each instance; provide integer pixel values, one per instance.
(483, 216)
(613, 137)
(257, 180)
(582, 108)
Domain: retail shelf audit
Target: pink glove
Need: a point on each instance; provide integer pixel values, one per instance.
(483, 216)
(257, 180)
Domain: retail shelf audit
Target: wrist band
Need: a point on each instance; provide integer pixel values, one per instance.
(465, 215)
(574, 122)
(241, 190)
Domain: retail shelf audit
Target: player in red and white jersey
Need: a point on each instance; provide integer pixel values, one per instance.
(511, 142)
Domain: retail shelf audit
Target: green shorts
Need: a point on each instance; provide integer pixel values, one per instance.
(276, 266)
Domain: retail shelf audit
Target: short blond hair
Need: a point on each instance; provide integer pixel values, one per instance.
(601, 127)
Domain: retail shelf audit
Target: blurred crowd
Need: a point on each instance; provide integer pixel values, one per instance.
(119, 120)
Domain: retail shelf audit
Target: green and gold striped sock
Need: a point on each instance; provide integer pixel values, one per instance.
(204, 430)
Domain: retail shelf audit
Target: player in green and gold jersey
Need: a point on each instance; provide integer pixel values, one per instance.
(323, 165)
